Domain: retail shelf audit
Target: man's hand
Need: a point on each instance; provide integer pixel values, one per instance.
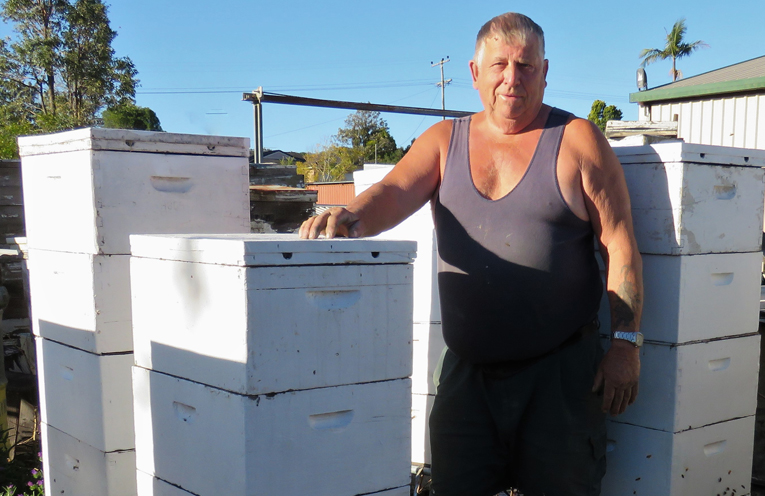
(333, 222)
(618, 376)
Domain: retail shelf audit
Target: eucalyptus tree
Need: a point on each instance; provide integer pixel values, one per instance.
(675, 48)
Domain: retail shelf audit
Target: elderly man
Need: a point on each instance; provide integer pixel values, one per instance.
(518, 192)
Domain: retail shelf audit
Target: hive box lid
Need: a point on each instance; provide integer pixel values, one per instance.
(96, 138)
(678, 151)
(249, 250)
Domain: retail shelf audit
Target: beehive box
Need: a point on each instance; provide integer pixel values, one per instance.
(715, 459)
(694, 385)
(82, 300)
(86, 396)
(690, 199)
(86, 190)
(699, 297)
(428, 346)
(259, 314)
(422, 404)
(344, 440)
(73, 467)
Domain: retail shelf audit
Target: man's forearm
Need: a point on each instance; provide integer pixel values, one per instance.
(625, 290)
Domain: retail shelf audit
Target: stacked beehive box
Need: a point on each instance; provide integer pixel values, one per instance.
(266, 364)
(428, 339)
(698, 214)
(85, 192)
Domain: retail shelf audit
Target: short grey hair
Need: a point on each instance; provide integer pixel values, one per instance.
(510, 27)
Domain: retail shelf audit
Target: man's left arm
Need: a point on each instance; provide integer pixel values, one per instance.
(607, 201)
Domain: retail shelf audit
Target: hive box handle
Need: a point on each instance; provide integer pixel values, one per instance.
(332, 420)
(333, 299)
(171, 184)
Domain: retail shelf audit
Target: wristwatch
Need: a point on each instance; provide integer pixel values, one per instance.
(636, 338)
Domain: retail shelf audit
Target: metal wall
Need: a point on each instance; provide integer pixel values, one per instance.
(737, 121)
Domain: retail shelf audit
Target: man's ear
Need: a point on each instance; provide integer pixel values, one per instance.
(474, 72)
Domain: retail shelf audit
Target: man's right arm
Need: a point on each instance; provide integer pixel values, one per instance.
(406, 188)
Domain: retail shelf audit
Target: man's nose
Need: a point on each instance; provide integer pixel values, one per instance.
(511, 75)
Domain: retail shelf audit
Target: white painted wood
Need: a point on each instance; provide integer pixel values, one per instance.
(712, 460)
(707, 109)
(428, 345)
(87, 396)
(700, 297)
(691, 386)
(422, 404)
(729, 122)
(89, 201)
(681, 207)
(760, 123)
(718, 122)
(697, 122)
(148, 485)
(72, 467)
(269, 329)
(98, 138)
(81, 300)
(750, 124)
(271, 249)
(344, 440)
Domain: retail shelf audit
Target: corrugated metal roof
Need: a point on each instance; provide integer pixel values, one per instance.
(747, 76)
(753, 68)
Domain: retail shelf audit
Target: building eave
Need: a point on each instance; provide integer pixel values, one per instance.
(723, 88)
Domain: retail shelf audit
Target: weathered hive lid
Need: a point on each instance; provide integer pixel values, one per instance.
(678, 151)
(249, 250)
(96, 138)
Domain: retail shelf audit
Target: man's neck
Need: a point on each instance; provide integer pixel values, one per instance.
(508, 127)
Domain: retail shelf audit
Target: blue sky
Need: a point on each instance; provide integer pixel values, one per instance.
(195, 58)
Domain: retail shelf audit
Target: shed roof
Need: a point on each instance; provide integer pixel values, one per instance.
(744, 76)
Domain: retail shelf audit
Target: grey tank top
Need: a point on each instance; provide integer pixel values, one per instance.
(517, 276)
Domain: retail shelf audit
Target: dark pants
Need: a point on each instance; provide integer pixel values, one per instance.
(538, 429)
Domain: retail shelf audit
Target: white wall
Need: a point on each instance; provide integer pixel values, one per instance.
(737, 121)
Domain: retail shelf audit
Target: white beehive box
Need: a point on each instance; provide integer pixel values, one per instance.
(344, 440)
(420, 228)
(81, 300)
(699, 297)
(694, 385)
(428, 346)
(268, 313)
(712, 460)
(689, 199)
(422, 404)
(86, 190)
(75, 468)
(87, 396)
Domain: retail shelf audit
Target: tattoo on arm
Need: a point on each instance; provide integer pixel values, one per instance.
(626, 303)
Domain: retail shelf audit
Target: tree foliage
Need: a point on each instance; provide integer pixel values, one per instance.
(127, 115)
(674, 48)
(365, 138)
(600, 114)
(60, 70)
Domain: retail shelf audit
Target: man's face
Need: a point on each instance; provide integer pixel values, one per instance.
(510, 78)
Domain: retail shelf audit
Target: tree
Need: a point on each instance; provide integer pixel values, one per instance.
(127, 115)
(600, 114)
(674, 48)
(60, 71)
(368, 134)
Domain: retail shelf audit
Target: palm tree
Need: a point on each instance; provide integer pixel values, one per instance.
(674, 48)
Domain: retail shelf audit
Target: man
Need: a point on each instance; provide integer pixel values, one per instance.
(518, 191)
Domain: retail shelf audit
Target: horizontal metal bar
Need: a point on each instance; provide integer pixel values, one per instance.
(315, 102)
